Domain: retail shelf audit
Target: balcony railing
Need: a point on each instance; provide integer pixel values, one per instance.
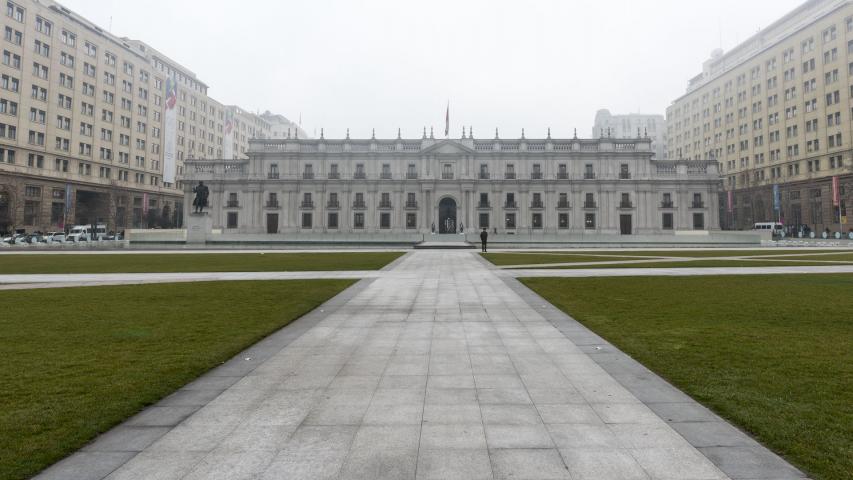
(307, 175)
(411, 175)
(384, 204)
(307, 204)
(359, 204)
(484, 176)
(666, 204)
(589, 205)
(536, 176)
(411, 204)
(627, 204)
(535, 204)
(232, 204)
(563, 204)
(699, 204)
(562, 176)
(385, 175)
(359, 175)
(333, 204)
(509, 175)
(334, 176)
(447, 175)
(589, 175)
(510, 205)
(624, 175)
(272, 175)
(484, 205)
(272, 204)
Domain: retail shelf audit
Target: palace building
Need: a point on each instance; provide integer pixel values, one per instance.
(429, 185)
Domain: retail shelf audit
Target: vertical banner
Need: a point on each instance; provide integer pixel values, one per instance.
(228, 134)
(777, 203)
(836, 194)
(144, 207)
(68, 199)
(170, 130)
(730, 201)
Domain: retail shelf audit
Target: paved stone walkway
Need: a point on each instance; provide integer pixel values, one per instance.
(439, 369)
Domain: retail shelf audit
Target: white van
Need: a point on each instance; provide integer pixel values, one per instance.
(774, 227)
(84, 233)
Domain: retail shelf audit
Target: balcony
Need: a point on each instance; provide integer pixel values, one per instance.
(411, 175)
(563, 204)
(333, 204)
(358, 205)
(272, 204)
(484, 176)
(535, 204)
(385, 204)
(307, 204)
(232, 204)
(624, 175)
(509, 175)
(272, 176)
(359, 175)
(509, 204)
(626, 204)
(588, 204)
(562, 176)
(447, 175)
(589, 175)
(334, 176)
(697, 204)
(385, 175)
(667, 204)
(307, 175)
(484, 205)
(411, 205)
(536, 176)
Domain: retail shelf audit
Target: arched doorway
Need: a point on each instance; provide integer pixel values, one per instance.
(447, 215)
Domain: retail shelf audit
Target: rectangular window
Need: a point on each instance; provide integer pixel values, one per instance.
(698, 221)
(589, 221)
(232, 220)
(666, 221)
(307, 219)
(358, 220)
(411, 220)
(563, 220)
(385, 220)
(510, 220)
(537, 220)
(484, 220)
(333, 220)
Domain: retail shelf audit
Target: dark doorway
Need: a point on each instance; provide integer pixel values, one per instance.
(625, 224)
(447, 216)
(272, 223)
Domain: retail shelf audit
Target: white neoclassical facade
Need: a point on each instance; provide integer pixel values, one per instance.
(402, 186)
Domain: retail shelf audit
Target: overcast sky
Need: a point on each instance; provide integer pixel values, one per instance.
(386, 64)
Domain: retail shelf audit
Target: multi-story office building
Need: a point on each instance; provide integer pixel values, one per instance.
(83, 134)
(632, 125)
(601, 186)
(777, 112)
(281, 127)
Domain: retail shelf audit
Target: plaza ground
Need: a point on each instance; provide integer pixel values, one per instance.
(771, 353)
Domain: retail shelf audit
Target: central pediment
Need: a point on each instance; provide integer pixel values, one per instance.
(448, 147)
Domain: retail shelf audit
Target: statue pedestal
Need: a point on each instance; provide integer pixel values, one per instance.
(199, 226)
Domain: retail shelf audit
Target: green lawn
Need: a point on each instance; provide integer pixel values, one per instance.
(700, 258)
(194, 262)
(77, 361)
(502, 259)
(773, 354)
(703, 263)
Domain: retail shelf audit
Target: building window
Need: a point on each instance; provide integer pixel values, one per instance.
(333, 221)
(358, 220)
(510, 220)
(384, 220)
(666, 221)
(698, 221)
(563, 220)
(307, 219)
(537, 220)
(232, 220)
(484, 220)
(411, 220)
(589, 221)
(31, 212)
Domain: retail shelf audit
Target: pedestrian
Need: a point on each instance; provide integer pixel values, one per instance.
(484, 238)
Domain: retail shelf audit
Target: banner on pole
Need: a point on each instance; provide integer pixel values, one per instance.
(170, 130)
(777, 201)
(730, 201)
(836, 194)
(228, 135)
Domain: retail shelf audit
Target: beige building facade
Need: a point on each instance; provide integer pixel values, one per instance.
(82, 124)
(777, 112)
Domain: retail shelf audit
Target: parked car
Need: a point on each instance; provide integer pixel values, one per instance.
(16, 238)
(34, 238)
(85, 233)
(54, 237)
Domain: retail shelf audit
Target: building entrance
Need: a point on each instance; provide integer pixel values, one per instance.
(447, 216)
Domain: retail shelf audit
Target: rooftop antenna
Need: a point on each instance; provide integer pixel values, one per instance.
(111, 25)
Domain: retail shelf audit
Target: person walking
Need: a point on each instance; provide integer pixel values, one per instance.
(484, 238)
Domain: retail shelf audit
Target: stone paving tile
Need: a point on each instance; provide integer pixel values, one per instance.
(440, 367)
